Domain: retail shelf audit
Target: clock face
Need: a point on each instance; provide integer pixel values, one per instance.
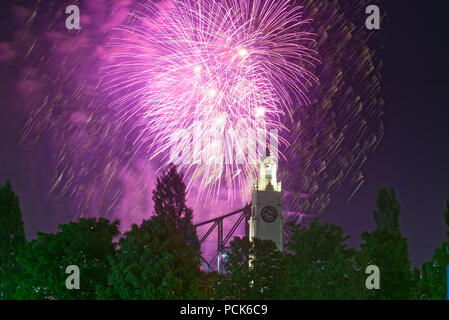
(269, 214)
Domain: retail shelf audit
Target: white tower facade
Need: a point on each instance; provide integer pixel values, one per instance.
(266, 221)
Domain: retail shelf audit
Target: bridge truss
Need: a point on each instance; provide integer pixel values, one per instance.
(222, 239)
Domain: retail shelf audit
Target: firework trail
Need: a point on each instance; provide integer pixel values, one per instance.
(202, 72)
(101, 147)
(332, 138)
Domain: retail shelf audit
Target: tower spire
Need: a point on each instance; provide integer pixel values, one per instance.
(268, 153)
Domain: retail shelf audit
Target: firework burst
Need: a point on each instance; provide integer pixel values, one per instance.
(197, 76)
(101, 136)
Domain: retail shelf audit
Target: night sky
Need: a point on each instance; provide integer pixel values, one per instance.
(412, 157)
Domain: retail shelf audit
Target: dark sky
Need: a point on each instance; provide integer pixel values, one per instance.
(412, 157)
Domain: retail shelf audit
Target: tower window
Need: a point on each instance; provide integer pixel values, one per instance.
(268, 172)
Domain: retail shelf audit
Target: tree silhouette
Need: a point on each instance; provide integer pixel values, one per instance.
(86, 243)
(262, 278)
(12, 238)
(154, 262)
(169, 198)
(386, 248)
(321, 265)
(434, 284)
(387, 215)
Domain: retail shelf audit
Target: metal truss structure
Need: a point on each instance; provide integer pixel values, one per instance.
(223, 239)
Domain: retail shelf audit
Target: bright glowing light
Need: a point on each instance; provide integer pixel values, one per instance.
(260, 112)
(153, 69)
(212, 92)
(243, 52)
(220, 120)
(197, 69)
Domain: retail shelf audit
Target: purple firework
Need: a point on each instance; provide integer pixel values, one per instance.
(197, 77)
(93, 97)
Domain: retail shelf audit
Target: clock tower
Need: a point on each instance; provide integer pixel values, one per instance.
(266, 221)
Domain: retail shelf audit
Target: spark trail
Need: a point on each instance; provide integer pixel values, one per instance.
(201, 75)
(100, 146)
